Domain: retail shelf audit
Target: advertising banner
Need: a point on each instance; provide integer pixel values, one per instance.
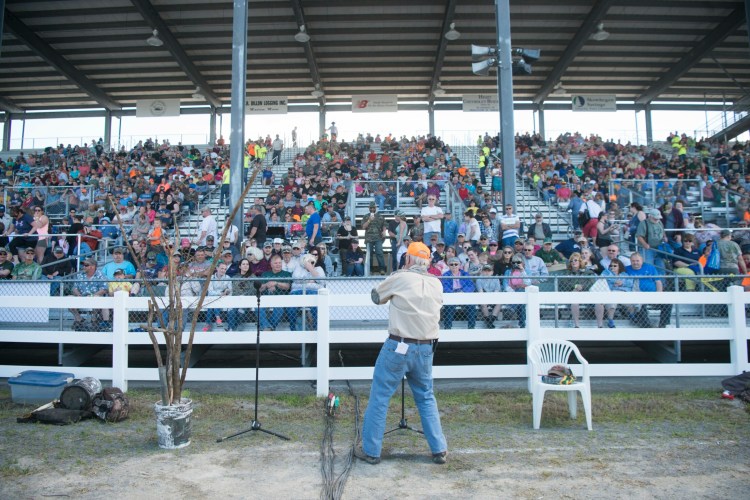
(375, 103)
(594, 102)
(150, 108)
(266, 105)
(480, 102)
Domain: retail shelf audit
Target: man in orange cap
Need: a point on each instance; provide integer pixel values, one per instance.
(416, 298)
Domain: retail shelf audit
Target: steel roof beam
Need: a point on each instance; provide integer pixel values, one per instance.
(46, 52)
(152, 17)
(595, 15)
(726, 28)
(312, 63)
(9, 106)
(450, 12)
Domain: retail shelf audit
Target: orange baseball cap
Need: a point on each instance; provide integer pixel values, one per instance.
(418, 249)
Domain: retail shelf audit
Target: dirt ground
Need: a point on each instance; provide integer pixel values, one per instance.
(652, 445)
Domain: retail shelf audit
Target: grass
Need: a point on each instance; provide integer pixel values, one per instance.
(476, 420)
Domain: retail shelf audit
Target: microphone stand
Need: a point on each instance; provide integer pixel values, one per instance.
(255, 424)
(403, 424)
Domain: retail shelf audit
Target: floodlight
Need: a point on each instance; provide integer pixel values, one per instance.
(528, 55)
(479, 52)
(302, 36)
(521, 67)
(438, 91)
(317, 93)
(198, 94)
(154, 39)
(558, 89)
(600, 34)
(452, 34)
(482, 68)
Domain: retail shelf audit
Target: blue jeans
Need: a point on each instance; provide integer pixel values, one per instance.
(449, 312)
(294, 323)
(224, 195)
(232, 321)
(654, 258)
(376, 248)
(357, 270)
(270, 318)
(390, 368)
(509, 241)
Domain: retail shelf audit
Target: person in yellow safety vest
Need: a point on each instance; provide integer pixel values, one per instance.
(682, 150)
(224, 196)
(260, 152)
(676, 141)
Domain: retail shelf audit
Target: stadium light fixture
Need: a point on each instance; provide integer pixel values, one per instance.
(198, 94)
(600, 34)
(438, 91)
(452, 33)
(302, 36)
(154, 39)
(317, 93)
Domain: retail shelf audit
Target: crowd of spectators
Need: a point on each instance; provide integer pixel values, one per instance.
(90, 191)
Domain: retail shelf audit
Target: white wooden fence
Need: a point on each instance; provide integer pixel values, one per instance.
(735, 332)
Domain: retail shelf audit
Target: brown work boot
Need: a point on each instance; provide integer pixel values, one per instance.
(440, 458)
(360, 453)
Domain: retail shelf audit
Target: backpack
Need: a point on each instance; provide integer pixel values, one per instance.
(111, 405)
(739, 386)
(584, 217)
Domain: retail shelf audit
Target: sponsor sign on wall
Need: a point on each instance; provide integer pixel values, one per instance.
(594, 102)
(480, 102)
(149, 108)
(375, 103)
(266, 105)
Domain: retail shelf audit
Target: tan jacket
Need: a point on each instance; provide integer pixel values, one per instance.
(416, 298)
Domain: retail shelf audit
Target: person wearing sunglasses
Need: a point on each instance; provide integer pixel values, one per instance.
(516, 280)
(456, 280)
(578, 279)
(618, 281)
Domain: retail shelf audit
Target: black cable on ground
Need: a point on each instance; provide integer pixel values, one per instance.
(333, 485)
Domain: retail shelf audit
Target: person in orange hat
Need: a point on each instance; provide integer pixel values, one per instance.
(416, 298)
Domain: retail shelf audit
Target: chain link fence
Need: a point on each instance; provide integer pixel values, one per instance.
(484, 314)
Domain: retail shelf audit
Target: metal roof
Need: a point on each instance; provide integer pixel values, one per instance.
(93, 54)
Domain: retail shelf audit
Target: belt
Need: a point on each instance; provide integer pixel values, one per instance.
(410, 341)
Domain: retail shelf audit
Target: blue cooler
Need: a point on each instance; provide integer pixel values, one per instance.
(37, 387)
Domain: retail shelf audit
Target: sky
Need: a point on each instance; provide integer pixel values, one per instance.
(455, 127)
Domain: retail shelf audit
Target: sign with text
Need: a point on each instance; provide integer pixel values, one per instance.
(150, 108)
(480, 102)
(375, 103)
(266, 105)
(594, 102)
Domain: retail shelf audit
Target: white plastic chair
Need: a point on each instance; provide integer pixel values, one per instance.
(543, 355)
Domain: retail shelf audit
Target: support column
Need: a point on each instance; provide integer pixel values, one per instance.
(431, 118)
(6, 131)
(2, 22)
(649, 128)
(239, 82)
(321, 122)
(107, 129)
(542, 130)
(212, 127)
(505, 98)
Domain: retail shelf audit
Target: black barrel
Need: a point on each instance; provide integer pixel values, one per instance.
(79, 394)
